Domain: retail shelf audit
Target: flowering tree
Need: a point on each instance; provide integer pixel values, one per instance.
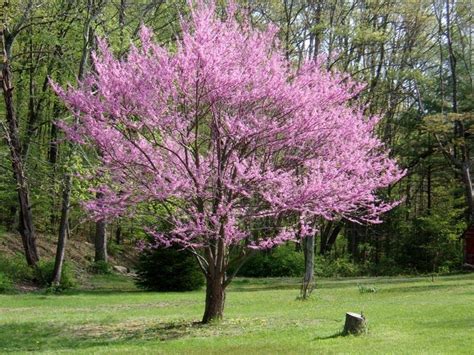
(227, 137)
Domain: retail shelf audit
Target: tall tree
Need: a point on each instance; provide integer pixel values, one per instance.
(456, 146)
(225, 135)
(12, 134)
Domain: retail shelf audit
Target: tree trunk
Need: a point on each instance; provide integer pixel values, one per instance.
(215, 298)
(330, 237)
(308, 279)
(459, 128)
(354, 239)
(118, 235)
(26, 227)
(469, 191)
(323, 236)
(317, 35)
(429, 189)
(63, 230)
(100, 241)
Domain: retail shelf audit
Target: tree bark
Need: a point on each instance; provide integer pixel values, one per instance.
(26, 227)
(459, 128)
(215, 298)
(216, 282)
(100, 241)
(63, 231)
(469, 191)
(118, 235)
(308, 279)
(317, 36)
(330, 235)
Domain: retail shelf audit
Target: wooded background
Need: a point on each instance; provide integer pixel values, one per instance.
(414, 56)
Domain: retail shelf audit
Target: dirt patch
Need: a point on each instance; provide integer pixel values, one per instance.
(26, 287)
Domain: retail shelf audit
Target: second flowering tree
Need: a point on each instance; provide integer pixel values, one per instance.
(241, 149)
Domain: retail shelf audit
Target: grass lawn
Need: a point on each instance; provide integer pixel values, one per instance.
(405, 315)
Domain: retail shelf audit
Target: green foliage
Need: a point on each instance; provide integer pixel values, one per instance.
(386, 267)
(100, 267)
(44, 275)
(285, 261)
(366, 288)
(115, 249)
(6, 283)
(281, 261)
(168, 269)
(290, 262)
(16, 268)
(339, 267)
(432, 242)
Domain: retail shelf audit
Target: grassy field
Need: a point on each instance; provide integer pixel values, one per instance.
(405, 315)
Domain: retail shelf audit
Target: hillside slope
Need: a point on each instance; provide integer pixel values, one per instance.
(79, 252)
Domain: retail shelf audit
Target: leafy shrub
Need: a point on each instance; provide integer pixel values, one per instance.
(366, 288)
(340, 267)
(115, 249)
(256, 266)
(100, 267)
(168, 269)
(432, 242)
(6, 283)
(386, 267)
(16, 268)
(44, 275)
(447, 268)
(279, 262)
(286, 261)
(346, 268)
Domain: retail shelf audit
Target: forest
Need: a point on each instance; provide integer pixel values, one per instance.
(211, 141)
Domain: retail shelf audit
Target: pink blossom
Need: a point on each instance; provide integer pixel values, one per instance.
(226, 130)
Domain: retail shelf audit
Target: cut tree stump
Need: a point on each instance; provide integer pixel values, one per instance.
(355, 324)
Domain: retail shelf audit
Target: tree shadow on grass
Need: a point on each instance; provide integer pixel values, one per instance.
(421, 288)
(99, 292)
(332, 336)
(41, 336)
(264, 288)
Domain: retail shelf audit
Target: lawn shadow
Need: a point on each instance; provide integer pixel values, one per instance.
(98, 292)
(333, 336)
(264, 288)
(41, 336)
(421, 288)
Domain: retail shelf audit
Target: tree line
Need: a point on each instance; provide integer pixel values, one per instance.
(414, 57)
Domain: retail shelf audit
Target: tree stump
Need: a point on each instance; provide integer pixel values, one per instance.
(355, 324)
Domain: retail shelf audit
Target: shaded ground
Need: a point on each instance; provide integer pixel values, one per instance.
(406, 315)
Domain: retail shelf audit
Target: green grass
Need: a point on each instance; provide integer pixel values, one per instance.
(405, 315)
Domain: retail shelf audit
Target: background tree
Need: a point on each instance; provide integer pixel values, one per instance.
(16, 146)
(42, 43)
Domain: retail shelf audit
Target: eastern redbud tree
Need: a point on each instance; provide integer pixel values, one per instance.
(241, 149)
